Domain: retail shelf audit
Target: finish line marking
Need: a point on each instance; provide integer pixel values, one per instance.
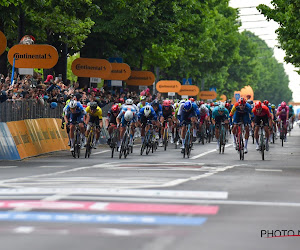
(268, 170)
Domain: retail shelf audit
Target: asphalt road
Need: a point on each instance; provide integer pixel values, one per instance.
(156, 202)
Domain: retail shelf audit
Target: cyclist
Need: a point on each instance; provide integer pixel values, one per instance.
(262, 114)
(142, 102)
(167, 116)
(241, 111)
(158, 110)
(283, 114)
(111, 120)
(291, 115)
(94, 115)
(188, 114)
(267, 104)
(146, 115)
(204, 118)
(74, 113)
(220, 114)
(127, 116)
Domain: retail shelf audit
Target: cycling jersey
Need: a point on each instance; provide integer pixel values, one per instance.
(186, 115)
(97, 113)
(167, 112)
(144, 119)
(239, 114)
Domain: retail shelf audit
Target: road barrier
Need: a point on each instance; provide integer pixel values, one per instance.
(22, 139)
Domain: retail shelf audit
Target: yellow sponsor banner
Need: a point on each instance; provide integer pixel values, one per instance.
(21, 135)
(33, 128)
(64, 139)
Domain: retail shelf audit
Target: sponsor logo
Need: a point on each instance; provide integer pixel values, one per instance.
(32, 56)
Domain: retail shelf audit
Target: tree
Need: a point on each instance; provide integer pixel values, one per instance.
(287, 15)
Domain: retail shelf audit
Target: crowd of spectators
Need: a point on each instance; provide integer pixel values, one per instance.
(55, 91)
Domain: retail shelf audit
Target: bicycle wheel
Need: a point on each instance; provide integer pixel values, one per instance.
(165, 142)
(143, 146)
(224, 141)
(220, 141)
(126, 147)
(241, 147)
(121, 149)
(262, 146)
(189, 146)
(89, 145)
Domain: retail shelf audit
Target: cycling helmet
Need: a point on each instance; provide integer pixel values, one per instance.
(273, 106)
(93, 105)
(221, 108)
(250, 102)
(115, 108)
(242, 101)
(129, 102)
(121, 100)
(155, 103)
(227, 105)
(143, 98)
(147, 111)
(166, 103)
(182, 101)
(128, 115)
(229, 100)
(258, 105)
(266, 102)
(202, 107)
(73, 104)
(201, 102)
(192, 99)
(290, 106)
(187, 105)
(283, 105)
(216, 104)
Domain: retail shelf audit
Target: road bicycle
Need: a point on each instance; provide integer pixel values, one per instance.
(166, 135)
(77, 142)
(240, 140)
(223, 134)
(262, 146)
(282, 130)
(90, 141)
(149, 142)
(114, 140)
(125, 148)
(188, 142)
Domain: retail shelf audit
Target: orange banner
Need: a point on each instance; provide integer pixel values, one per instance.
(166, 86)
(33, 56)
(90, 67)
(190, 90)
(223, 98)
(120, 71)
(3, 42)
(141, 78)
(205, 95)
(247, 93)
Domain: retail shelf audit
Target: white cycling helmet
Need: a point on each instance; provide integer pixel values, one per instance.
(147, 111)
(129, 102)
(128, 115)
(73, 104)
(202, 107)
(182, 101)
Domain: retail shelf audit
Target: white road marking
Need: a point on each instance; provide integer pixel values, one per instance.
(24, 230)
(9, 167)
(170, 200)
(101, 152)
(268, 170)
(208, 152)
(120, 192)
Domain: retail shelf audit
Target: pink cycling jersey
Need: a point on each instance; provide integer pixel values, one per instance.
(284, 114)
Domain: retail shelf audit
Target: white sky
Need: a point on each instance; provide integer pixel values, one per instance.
(266, 31)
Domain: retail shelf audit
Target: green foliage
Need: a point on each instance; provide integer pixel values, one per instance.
(70, 74)
(287, 15)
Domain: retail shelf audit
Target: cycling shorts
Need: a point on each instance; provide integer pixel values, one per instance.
(258, 119)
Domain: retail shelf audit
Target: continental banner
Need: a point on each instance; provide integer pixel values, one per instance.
(38, 136)
(141, 78)
(33, 56)
(190, 90)
(3, 42)
(166, 86)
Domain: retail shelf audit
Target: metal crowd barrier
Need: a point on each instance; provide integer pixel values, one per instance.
(32, 109)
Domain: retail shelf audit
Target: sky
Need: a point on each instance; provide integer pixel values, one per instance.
(266, 31)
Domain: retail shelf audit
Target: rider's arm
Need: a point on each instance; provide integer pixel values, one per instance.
(232, 110)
